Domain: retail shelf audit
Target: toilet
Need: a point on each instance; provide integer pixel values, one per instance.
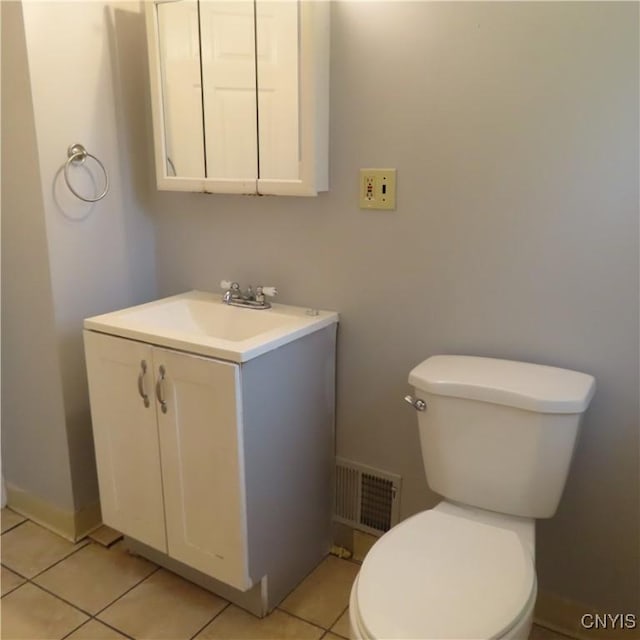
(497, 438)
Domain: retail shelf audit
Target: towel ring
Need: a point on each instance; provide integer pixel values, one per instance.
(77, 153)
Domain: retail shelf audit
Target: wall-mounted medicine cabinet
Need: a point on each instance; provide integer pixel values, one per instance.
(240, 95)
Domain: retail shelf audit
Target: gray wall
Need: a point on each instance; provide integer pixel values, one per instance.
(100, 255)
(514, 129)
(63, 259)
(34, 438)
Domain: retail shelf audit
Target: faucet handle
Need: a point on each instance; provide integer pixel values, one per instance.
(269, 291)
(230, 286)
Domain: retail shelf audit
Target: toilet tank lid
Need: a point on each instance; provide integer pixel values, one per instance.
(533, 387)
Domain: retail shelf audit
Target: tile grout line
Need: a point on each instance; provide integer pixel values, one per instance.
(86, 622)
(57, 562)
(66, 635)
(338, 618)
(110, 626)
(87, 541)
(295, 615)
(91, 616)
(14, 526)
(12, 590)
(337, 635)
(123, 594)
(204, 626)
(55, 595)
(17, 586)
(6, 566)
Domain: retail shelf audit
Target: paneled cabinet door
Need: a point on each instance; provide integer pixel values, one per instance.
(240, 95)
(202, 464)
(126, 436)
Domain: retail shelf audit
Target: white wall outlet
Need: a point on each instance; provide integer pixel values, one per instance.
(378, 189)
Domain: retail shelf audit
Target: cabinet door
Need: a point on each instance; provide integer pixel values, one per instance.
(278, 107)
(293, 96)
(202, 464)
(126, 436)
(264, 66)
(181, 88)
(229, 98)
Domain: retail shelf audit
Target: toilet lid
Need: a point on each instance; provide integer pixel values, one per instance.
(441, 576)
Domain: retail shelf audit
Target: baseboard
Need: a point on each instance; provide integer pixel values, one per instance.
(72, 525)
(568, 617)
(362, 543)
(87, 520)
(356, 541)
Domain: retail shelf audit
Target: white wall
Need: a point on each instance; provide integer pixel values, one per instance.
(34, 438)
(514, 129)
(101, 255)
(83, 60)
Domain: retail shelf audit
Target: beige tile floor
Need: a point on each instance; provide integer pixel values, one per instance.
(95, 590)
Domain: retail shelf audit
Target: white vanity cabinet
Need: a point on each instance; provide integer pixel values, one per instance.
(218, 469)
(168, 435)
(240, 95)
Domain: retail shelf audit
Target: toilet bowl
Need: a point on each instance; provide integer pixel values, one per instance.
(448, 573)
(497, 439)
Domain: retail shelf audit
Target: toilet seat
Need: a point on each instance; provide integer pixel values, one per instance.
(437, 575)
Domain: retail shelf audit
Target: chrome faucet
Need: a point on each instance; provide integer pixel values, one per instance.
(249, 299)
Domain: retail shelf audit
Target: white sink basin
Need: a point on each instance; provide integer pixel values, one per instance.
(201, 323)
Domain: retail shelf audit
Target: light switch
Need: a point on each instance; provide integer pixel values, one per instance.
(378, 189)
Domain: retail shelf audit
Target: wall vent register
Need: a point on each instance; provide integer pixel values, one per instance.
(366, 498)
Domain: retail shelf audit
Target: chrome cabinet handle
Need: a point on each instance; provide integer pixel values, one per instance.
(160, 389)
(416, 403)
(143, 371)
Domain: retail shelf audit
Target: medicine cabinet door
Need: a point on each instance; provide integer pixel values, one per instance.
(240, 95)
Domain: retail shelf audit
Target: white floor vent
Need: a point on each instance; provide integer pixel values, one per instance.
(366, 498)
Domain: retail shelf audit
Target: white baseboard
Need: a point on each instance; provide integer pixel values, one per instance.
(72, 525)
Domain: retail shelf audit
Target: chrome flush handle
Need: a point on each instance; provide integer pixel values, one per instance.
(416, 403)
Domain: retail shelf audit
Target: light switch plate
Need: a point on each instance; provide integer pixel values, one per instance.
(378, 189)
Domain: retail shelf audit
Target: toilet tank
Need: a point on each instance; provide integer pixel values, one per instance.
(498, 434)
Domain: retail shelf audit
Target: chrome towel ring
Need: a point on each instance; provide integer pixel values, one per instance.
(78, 154)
